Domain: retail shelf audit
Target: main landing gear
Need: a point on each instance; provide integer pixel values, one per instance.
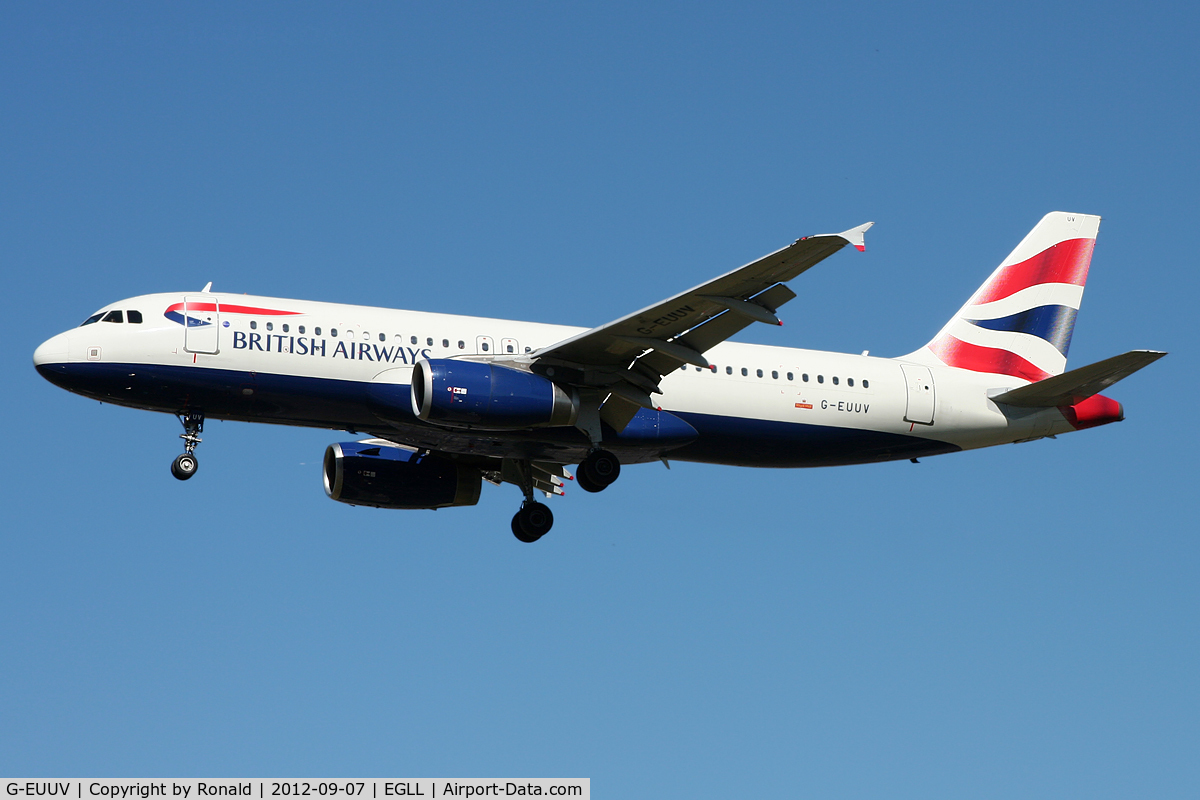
(532, 522)
(598, 471)
(185, 465)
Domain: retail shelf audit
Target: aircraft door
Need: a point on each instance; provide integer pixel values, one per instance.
(485, 346)
(201, 324)
(919, 381)
(509, 346)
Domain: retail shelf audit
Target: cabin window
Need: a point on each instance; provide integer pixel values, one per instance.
(729, 370)
(758, 372)
(866, 384)
(849, 381)
(270, 326)
(301, 328)
(835, 380)
(445, 342)
(683, 368)
(91, 319)
(333, 332)
(775, 374)
(317, 331)
(791, 377)
(528, 349)
(713, 367)
(285, 327)
(820, 379)
(412, 340)
(461, 344)
(511, 349)
(253, 325)
(804, 377)
(485, 347)
(135, 317)
(745, 372)
(383, 337)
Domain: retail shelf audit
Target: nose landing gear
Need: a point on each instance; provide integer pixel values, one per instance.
(184, 466)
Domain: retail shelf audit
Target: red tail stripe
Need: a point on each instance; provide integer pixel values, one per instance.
(1065, 262)
(232, 309)
(955, 352)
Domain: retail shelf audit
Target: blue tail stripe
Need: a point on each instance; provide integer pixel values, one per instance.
(1052, 323)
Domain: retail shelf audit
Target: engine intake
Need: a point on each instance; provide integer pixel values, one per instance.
(370, 474)
(475, 394)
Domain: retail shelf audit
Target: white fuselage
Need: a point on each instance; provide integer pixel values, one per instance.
(308, 363)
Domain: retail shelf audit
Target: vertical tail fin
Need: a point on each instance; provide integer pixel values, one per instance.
(1019, 322)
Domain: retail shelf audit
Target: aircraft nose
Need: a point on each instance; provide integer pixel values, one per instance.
(51, 351)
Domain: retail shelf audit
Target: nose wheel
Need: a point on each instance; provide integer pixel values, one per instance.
(184, 466)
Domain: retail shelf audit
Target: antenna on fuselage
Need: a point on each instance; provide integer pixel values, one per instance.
(206, 288)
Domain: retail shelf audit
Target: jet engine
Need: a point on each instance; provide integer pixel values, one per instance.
(385, 476)
(476, 394)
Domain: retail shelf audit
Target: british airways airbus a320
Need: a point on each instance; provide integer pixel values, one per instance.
(451, 401)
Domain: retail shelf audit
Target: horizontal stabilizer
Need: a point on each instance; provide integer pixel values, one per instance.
(1079, 384)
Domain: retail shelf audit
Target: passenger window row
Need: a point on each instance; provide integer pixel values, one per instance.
(510, 344)
(135, 317)
(791, 376)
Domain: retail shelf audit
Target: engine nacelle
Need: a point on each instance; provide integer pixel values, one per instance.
(369, 474)
(478, 394)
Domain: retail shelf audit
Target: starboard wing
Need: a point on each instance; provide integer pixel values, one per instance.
(629, 356)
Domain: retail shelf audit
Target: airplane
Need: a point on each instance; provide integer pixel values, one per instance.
(449, 401)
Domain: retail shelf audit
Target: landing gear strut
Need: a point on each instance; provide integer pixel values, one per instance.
(598, 471)
(185, 465)
(533, 520)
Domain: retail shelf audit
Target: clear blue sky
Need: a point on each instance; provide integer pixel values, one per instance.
(1021, 621)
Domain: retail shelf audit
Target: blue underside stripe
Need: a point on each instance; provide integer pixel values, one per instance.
(347, 405)
(741, 441)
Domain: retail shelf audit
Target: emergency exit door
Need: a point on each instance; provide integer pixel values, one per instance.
(920, 394)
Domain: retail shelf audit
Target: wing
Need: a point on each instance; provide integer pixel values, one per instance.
(627, 358)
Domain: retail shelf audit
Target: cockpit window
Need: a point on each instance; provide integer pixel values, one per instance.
(135, 317)
(91, 319)
(113, 316)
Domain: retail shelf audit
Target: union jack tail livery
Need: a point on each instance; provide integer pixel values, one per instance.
(1019, 322)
